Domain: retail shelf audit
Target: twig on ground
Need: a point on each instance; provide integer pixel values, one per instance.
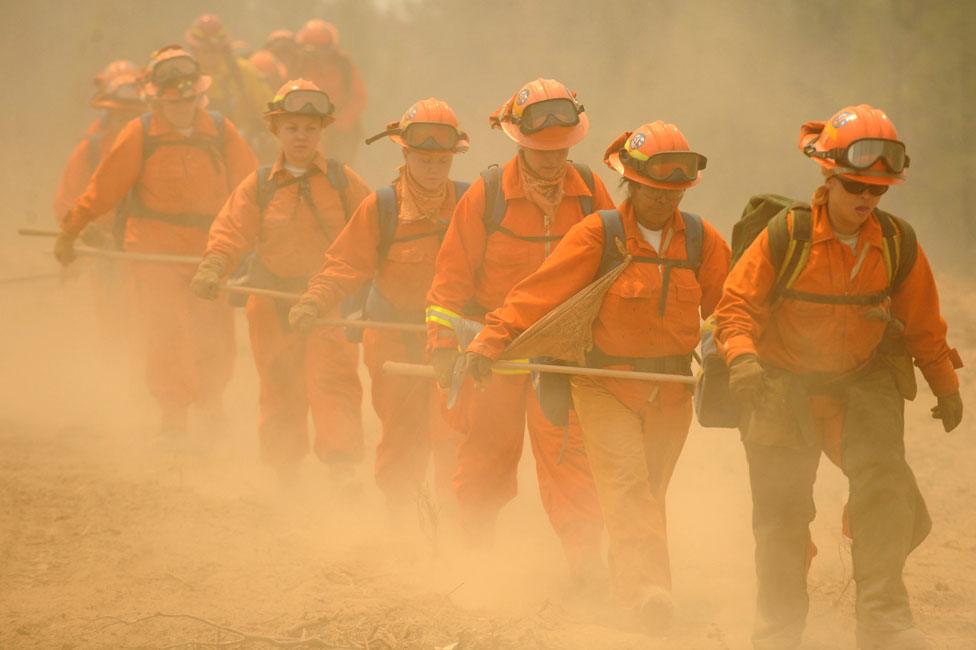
(306, 642)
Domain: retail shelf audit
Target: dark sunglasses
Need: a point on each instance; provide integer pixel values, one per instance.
(856, 187)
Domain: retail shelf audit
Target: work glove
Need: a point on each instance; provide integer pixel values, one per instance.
(64, 248)
(949, 410)
(746, 380)
(443, 360)
(303, 315)
(479, 367)
(206, 282)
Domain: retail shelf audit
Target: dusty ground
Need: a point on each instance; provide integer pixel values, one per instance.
(101, 528)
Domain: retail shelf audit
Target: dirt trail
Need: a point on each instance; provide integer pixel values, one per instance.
(99, 524)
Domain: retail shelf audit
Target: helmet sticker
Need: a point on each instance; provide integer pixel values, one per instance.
(636, 141)
(523, 96)
(842, 119)
(412, 113)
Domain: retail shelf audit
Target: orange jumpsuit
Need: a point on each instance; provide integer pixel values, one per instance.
(339, 77)
(408, 407)
(474, 272)
(631, 471)
(298, 372)
(189, 343)
(107, 286)
(820, 359)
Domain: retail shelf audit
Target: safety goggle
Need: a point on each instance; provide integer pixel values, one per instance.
(308, 102)
(857, 187)
(667, 166)
(126, 93)
(549, 112)
(431, 136)
(175, 69)
(864, 153)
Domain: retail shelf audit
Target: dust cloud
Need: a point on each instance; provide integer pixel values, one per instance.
(99, 528)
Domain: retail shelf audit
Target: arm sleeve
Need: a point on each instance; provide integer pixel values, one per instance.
(916, 304)
(350, 261)
(572, 266)
(235, 230)
(115, 177)
(73, 180)
(714, 269)
(743, 310)
(357, 190)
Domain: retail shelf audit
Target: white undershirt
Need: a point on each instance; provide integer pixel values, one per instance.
(186, 133)
(295, 171)
(652, 237)
(850, 240)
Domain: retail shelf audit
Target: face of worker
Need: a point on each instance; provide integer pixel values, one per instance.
(848, 212)
(299, 136)
(546, 164)
(180, 112)
(654, 206)
(429, 168)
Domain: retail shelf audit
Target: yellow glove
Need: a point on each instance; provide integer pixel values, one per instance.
(64, 248)
(206, 282)
(949, 410)
(303, 315)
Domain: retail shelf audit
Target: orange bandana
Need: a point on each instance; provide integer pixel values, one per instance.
(546, 193)
(417, 202)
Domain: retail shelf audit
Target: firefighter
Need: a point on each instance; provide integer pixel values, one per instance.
(174, 167)
(813, 342)
(503, 228)
(333, 70)
(648, 320)
(390, 244)
(288, 214)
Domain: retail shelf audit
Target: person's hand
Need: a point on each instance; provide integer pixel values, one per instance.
(64, 248)
(443, 360)
(949, 410)
(302, 316)
(479, 367)
(206, 282)
(97, 236)
(746, 380)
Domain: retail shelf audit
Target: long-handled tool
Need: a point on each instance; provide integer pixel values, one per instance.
(418, 370)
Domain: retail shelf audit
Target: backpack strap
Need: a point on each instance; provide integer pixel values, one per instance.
(789, 247)
(613, 232)
(94, 152)
(220, 124)
(149, 142)
(694, 239)
(586, 202)
(389, 212)
(336, 173)
(900, 248)
(495, 204)
(460, 187)
(266, 187)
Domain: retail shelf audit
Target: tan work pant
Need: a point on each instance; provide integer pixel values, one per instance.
(632, 456)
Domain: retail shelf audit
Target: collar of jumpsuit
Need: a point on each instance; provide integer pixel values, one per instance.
(202, 124)
(870, 232)
(280, 165)
(416, 201)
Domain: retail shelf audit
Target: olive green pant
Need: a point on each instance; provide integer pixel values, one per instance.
(888, 517)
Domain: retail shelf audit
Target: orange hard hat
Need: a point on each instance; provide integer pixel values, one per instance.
(114, 69)
(301, 97)
(859, 143)
(278, 35)
(318, 33)
(207, 31)
(657, 155)
(174, 74)
(428, 125)
(269, 66)
(544, 115)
